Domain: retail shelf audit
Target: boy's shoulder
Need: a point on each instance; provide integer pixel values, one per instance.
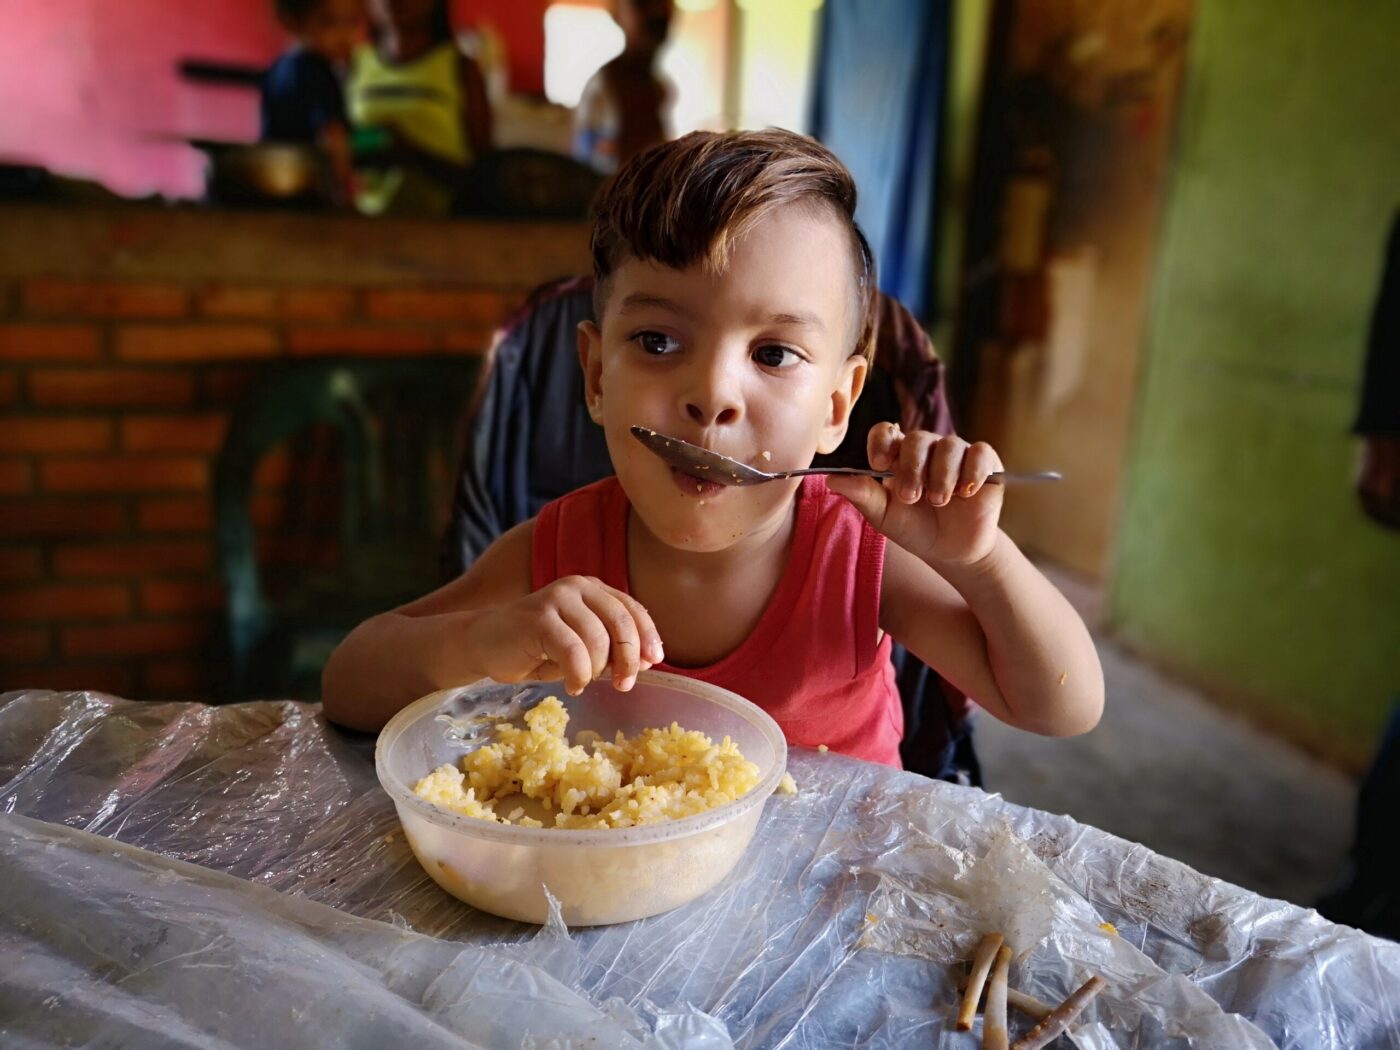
(594, 498)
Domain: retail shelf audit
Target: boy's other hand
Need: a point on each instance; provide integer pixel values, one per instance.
(575, 629)
(938, 505)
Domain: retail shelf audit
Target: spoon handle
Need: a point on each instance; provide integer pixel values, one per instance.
(1001, 477)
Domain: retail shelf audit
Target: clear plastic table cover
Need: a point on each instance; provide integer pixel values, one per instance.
(307, 921)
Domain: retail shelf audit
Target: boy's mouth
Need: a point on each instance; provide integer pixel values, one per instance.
(699, 487)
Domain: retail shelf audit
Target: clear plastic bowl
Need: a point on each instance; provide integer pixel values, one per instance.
(598, 876)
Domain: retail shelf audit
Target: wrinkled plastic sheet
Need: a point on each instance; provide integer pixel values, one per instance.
(259, 892)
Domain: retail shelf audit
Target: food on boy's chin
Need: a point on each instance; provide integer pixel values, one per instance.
(657, 775)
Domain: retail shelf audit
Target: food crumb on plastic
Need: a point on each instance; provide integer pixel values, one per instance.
(1064, 677)
(823, 748)
(786, 786)
(1109, 928)
(388, 838)
(871, 918)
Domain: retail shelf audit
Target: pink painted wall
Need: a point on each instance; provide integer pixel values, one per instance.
(86, 84)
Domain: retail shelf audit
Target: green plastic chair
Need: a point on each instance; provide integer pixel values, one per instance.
(397, 423)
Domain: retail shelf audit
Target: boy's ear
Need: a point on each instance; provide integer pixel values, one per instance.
(590, 356)
(850, 382)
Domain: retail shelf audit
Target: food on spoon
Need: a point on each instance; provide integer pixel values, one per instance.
(981, 966)
(1060, 1018)
(657, 775)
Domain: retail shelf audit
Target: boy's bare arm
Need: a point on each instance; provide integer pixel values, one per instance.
(999, 631)
(961, 596)
(490, 624)
(392, 659)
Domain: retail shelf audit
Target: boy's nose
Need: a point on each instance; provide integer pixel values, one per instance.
(712, 402)
(711, 415)
(711, 394)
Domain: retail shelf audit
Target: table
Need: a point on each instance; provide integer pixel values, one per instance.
(191, 876)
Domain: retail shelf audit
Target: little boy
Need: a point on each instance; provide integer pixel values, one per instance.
(302, 97)
(733, 309)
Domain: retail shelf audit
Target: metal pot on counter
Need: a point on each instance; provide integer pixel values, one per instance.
(263, 172)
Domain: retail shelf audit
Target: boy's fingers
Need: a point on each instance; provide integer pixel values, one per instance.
(943, 469)
(587, 624)
(867, 495)
(653, 652)
(979, 462)
(626, 645)
(882, 445)
(567, 651)
(909, 474)
(547, 671)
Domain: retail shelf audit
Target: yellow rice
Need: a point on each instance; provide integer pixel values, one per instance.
(659, 774)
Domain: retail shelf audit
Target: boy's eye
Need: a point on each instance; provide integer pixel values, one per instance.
(657, 343)
(776, 356)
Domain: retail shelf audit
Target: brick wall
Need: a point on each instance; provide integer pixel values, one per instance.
(114, 398)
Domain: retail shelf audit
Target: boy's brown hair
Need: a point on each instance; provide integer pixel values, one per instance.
(689, 200)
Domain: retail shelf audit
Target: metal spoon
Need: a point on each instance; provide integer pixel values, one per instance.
(713, 466)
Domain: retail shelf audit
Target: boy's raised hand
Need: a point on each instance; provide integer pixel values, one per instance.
(574, 628)
(938, 505)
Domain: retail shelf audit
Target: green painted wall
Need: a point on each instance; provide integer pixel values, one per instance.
(1243, 559)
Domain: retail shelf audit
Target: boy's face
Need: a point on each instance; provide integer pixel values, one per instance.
(756, 359)
(333, 28)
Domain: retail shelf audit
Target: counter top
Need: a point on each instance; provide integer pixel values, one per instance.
(142, 241)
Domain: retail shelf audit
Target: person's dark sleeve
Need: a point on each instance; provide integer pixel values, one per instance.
(1380, 384)
(274, 102)
(301, 96)
(324, 97)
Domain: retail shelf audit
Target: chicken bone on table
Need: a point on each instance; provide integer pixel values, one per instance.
(841, 925)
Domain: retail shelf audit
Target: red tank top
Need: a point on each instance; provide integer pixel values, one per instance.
(813, 662)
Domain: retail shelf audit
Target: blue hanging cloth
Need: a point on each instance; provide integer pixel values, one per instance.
(878, 104)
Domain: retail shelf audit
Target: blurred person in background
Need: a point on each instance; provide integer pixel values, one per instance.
(626, 105)
(426, 99)
(302, 97)
(1369, 896)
